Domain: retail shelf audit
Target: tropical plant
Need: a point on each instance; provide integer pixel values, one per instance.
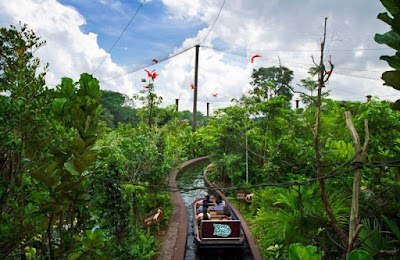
(282, 218)
(391, 38)
(299, 252)
(359, 255)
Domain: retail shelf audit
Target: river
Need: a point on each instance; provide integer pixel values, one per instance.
(191, 177)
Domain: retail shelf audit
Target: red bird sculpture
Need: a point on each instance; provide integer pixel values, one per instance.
(192, 86)
(214, 94)
(328, 72)
(155, 61)
(149, 73)
(255, 56)
(154, 75)
(148, 87)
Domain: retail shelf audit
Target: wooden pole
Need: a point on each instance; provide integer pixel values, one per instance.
(177, 103)
(196, 74)
(297, 103)
(208, 109)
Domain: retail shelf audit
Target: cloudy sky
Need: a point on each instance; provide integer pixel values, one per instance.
(80, 33)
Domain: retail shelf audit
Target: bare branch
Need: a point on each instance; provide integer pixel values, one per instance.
(387, 253)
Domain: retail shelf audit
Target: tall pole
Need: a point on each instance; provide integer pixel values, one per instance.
(208, 109)
(196, 74)
(177, 103)
(247, 155)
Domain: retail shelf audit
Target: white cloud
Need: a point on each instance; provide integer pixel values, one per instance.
(296, 29)
(244, 28)
(69, 51)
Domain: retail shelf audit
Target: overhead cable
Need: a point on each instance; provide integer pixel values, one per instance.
(119, 37)
(146, 66)
(215, 21)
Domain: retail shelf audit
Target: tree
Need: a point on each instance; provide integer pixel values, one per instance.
(24, 119)
(273, 81)
(391, 38)
(117, 108)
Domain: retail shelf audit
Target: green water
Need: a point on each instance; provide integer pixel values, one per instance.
(193, 177)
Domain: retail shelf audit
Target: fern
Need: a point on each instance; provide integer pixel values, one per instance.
(376, 241)
(280, 219)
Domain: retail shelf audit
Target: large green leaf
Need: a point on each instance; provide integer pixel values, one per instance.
(386, 18)
(391, 38)
(74, 256)
(396, 105)
(299, 252)
(392, 78)
(392, 6)
(393, 61)
(69, 166)
(359, 255)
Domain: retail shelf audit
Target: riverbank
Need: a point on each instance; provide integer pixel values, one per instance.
(252, 243)
(174, 244)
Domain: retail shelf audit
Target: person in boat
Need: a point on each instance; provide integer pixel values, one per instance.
(206, 203)
(203, 215)
(207, 200)
(228, 215)
(220, 204)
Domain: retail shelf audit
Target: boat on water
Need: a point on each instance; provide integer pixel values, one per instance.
(217, 230)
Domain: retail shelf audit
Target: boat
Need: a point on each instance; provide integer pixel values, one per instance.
(216, 232)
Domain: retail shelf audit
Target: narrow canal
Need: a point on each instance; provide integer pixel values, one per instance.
(191, 177)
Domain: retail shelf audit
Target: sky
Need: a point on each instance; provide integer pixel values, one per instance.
(81, 33)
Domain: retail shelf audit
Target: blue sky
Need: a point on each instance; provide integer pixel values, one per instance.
(152, 34)
(80, 32)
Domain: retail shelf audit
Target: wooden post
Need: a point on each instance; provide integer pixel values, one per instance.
(208, 109)
(177, 103)
(196, 74)
(297, 103)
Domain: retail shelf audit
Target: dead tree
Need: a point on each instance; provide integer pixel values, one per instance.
(354, 226)
(323, 77)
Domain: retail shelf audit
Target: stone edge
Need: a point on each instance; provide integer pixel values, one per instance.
(252, 244)
(177, 230)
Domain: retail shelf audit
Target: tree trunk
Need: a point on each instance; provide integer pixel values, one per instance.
(49, 230)
(360, 156)
(318, 158)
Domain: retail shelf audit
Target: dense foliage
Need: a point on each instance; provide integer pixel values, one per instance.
(391, 39)
(65, 178)
(75, 162)
(279, 144)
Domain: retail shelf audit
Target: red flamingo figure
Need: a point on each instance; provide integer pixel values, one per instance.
(149, 73)
(154, 75)
(255, 56)
(192, 86)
